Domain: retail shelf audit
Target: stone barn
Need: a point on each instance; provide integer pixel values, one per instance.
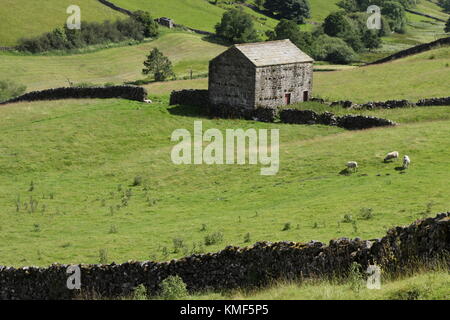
(263, 74)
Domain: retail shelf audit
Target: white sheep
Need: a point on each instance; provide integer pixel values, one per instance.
(392, 155)
(352, 165)
(406, 162)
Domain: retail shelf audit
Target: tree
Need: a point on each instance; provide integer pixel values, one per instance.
(288, 29)
(159, 65)
(447, 26)
(396, 15)
(336, 23)
(296, 10)
(151, 28)
(371, 39)
(237, 27)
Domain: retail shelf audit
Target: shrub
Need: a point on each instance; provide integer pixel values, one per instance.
(140, 293)
(10, 89)
(137, 181)
(366, 213)
(331, 49)
(103, 256)
(355, 277)
(347, 218)
(213, 238)
(286, 226)
(173, 288)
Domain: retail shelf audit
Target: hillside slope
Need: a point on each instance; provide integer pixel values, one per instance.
(186, 50)
(418, 76)
(24, 18)
(68, 168)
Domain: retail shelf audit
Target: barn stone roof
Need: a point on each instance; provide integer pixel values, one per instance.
(273, 53)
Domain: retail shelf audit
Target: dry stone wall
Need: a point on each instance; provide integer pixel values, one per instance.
(124, 92)
(236, 267)
(349, 122)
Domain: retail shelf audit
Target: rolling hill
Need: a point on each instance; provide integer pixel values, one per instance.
(186, 50)
(24, 18)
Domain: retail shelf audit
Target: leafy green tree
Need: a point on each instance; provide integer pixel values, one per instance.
(237, 27)
(288, 29)
(296, 10)
(447, 26)
(158, 65)
(371, 39)
(337, 23)
(396, 15)
(151, 28)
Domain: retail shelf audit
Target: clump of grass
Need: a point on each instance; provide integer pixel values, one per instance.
(31, 188)
(286, 226)
(36, 228)
(137, 181)
(315, 225)
(355, 277)
(203, 228)
(247, 237)
(213, 238)
(140, 293)
(347, 218)
(366, 213)
(173, 288)
(113, 229)
(409, 293)
(178, 244)
(428, 210)
(103, 256)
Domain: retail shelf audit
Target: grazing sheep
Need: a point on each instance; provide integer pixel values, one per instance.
(391, 155)
(352, 165)
(406, 162)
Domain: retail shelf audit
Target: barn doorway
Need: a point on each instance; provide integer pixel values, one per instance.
(287, 98)
(305, 96)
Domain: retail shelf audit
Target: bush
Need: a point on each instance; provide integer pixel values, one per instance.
(334, 50)
(92, 33)
(173, 288)
(10, 89)
(140, 293)
(213, 238)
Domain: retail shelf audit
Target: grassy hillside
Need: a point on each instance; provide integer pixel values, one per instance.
(68, 168)
(187, 51)
(24, 18)
(414, 77)
(430, 7)
(199, 14)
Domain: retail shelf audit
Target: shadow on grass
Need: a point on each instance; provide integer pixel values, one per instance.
(188, 111)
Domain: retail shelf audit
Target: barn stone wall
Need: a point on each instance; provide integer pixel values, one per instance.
(232, 80)
(237, 267)
(273, 83)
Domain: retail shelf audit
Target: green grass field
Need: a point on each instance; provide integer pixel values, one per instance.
(24, 18)
(186, 51)
(414, 77)
(66, 166)
(421, 286)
